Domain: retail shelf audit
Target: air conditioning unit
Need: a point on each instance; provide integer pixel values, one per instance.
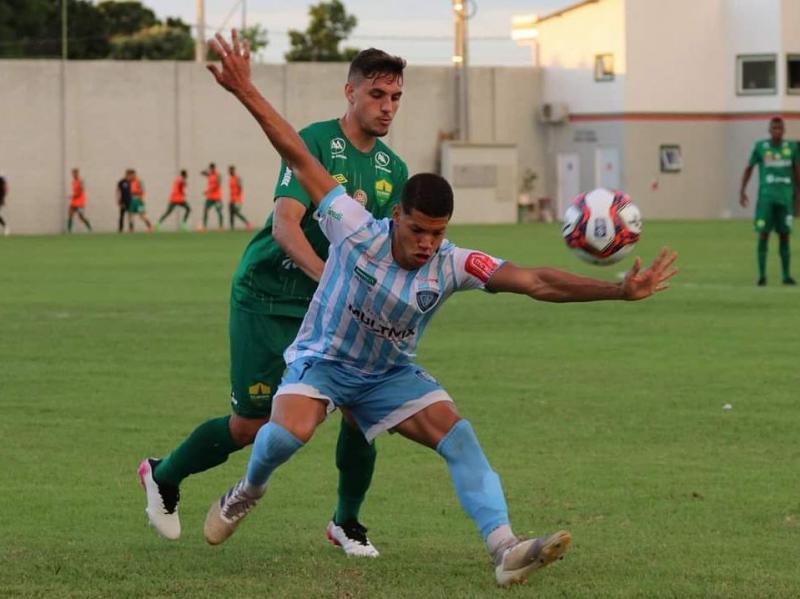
(553, 112)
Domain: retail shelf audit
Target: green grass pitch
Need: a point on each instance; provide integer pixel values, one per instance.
(605, 419)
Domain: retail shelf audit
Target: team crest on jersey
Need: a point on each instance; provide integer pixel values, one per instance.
(383, 191)
(426, 299)
(337, 145)
(361, 197)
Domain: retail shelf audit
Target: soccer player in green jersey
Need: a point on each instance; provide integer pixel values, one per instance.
(778, 185)
(271, 291)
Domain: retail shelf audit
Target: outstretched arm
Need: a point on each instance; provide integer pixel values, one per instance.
(235, 77)
(552, 285)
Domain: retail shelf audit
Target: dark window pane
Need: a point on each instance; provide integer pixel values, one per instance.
(758, 74)
(793, 78)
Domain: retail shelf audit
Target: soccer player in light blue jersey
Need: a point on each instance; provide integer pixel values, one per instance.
(382, 283)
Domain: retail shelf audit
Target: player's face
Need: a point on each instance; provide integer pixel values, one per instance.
(374, 103)
(776, 131)
(417, 237)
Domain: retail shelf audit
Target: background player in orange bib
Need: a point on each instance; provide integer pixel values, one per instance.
(177, 199)
(235, 200)
(213, 195)
(77, 202)
(137, 201)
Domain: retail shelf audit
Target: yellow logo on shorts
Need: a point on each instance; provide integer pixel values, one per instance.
(259, 391)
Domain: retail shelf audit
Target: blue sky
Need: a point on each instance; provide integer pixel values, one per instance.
(379, 21)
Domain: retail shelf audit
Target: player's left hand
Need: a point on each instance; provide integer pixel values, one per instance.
(235, 58)
(639, 284)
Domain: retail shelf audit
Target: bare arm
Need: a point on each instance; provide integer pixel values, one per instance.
(287, 232)
(552, 285)
(743, 201)
(235, 77)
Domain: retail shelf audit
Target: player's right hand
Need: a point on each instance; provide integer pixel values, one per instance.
(235, 58)
(743, 200)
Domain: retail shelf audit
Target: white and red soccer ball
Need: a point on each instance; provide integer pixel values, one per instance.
(602, 226)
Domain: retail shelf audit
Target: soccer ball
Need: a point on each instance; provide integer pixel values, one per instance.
(602, 226)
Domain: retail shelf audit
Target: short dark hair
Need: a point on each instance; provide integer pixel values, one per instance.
(212, 165)
(183, 172)
(776, 119)
(372, 63)
(429, 194)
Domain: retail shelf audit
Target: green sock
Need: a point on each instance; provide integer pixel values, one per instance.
(209, 445)
(783, 249)
(762, 257)
(355, 459)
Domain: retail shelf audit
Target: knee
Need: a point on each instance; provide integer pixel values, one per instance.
(244, 430)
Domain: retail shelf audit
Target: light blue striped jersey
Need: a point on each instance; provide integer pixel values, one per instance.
(368, 312)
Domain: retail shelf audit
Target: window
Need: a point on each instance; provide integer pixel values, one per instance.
(755, 74)
(793, 74)
(671, 159)
(604, 67)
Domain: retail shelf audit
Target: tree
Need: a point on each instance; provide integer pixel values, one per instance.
(158, 42)
(126, 18)
(256, 36)
(329, 25)
(32, 29)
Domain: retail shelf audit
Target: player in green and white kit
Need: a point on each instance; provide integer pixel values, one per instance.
(778, 179)
(271, 291)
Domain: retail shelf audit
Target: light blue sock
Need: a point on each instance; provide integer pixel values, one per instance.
(273, 446)
(477, 485)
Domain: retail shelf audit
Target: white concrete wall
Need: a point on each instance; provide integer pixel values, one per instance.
(567, 46)
(159, 117)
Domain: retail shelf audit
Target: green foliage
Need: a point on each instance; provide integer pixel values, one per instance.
(154, 43)
(32, 29)
(126, 18)
(329, 25)
(603, 418)
(256, 36)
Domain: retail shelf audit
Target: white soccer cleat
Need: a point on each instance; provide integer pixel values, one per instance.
(351, 536)
(525, 557)
(162, 502)
(225, 514)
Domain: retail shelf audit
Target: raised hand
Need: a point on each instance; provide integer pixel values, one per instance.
(235, 58)
(639, 284)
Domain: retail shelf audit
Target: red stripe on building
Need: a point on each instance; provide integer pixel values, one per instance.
(682, 116)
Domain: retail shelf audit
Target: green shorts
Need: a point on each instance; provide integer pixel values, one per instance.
(136, 206)
(772, 215)
(257, 345)
(215, 204)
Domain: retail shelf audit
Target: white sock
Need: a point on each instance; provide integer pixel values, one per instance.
(500, 539)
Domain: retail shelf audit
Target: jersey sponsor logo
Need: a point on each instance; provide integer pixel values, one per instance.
(361, 197)
(426, 299)
(382, 330)
(341, 179)
(383, 190)
(480, 266)
(382, 161)
(259, 391)
(365, 276)
(776, 180)
(330, 212)
(337, 145)
(287, 177)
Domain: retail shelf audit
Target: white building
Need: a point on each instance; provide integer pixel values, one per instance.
(664, 99)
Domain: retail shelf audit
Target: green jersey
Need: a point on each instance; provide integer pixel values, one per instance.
(267, 280)
(776, 170)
